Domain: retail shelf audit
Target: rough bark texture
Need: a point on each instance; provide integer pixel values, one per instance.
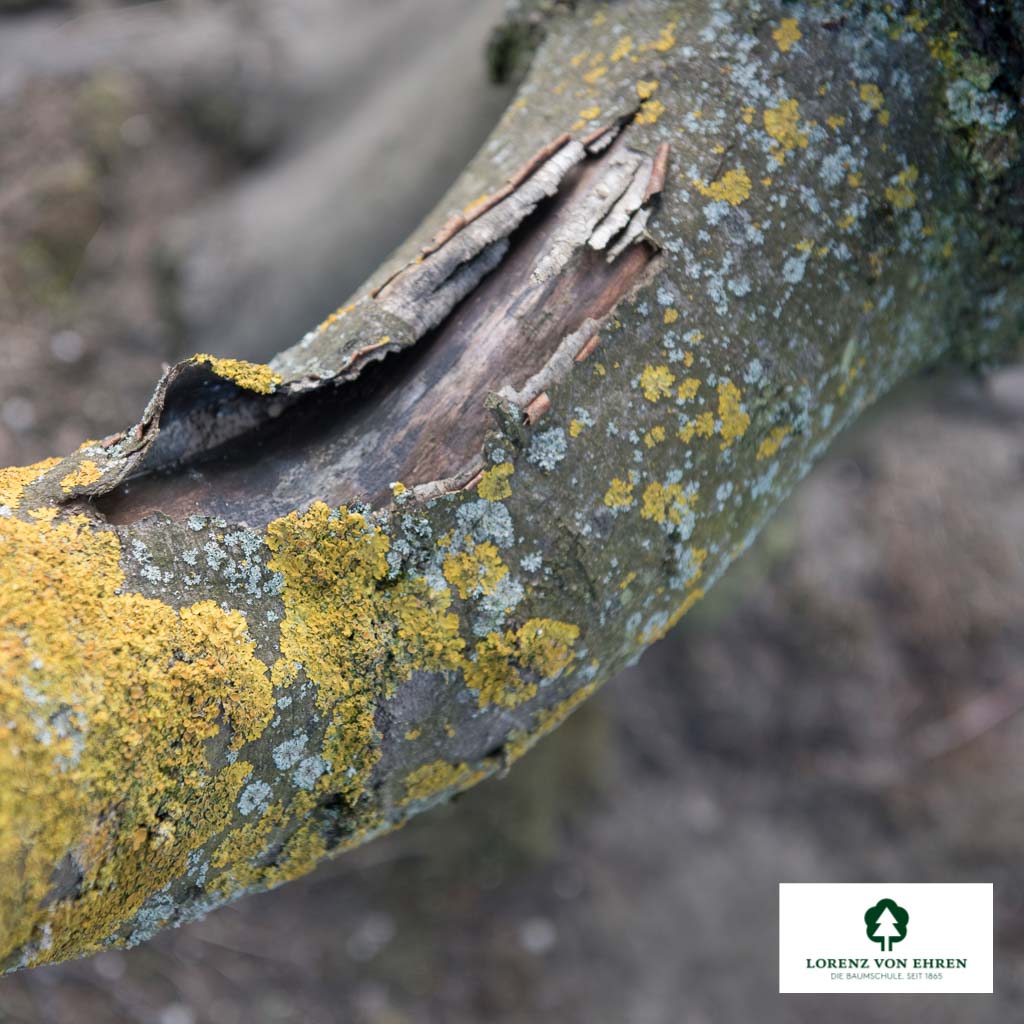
(228, 649)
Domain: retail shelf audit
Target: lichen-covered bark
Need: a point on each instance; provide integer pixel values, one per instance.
(204, 703)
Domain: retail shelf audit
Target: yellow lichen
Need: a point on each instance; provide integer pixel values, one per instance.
(251, 376)
(494, 483)
(654, 436)
(650, 111)
(15, 479)
(673, 620)
(646, 89)
(352, 632)
(619, 494)
(688, 389)
(787, 35)
(664, 502)
(734, 420)
(85, 473)
(430, 780)
(733, 187)
(622, 49)
(700, 426)
(901, 194)
(108, 701)
(871, 95)
(576, 428)
(944, 50)
(656, 382)
(542, 647)
(589, 113)
(477, 570)
(671, 315)
(771, 444)
(781, 123)
(665, 41)
(336, 316)
(241, 855)
(546, 721)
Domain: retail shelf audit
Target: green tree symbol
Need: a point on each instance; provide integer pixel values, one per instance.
(886, 921)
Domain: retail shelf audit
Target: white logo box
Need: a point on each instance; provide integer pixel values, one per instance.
(825, 946)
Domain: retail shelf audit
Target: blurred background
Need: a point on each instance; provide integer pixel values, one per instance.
(845, 706)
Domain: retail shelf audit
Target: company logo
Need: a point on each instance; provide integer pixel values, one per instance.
(856, 937)
(886, 923)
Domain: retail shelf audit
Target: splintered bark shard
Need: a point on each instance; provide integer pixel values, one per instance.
(420, 284)
(627, 204)
(618, 174)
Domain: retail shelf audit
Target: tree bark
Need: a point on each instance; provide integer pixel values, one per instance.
(299, 602)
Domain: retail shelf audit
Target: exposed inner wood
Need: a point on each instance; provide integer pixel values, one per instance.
(420, 415)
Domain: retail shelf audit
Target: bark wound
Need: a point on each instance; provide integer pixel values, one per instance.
(504, 299)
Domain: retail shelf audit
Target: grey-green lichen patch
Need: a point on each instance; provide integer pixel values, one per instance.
(548, 448)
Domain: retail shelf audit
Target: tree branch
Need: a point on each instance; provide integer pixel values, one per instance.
(299, 602)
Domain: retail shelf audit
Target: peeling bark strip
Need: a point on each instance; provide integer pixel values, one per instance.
(461, 220)
(209, 681)
(424, 294)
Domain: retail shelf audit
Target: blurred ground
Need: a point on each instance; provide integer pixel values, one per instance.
(844, 706)
(209, 175)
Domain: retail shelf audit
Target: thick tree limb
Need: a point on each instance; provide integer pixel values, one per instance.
(298, 603)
